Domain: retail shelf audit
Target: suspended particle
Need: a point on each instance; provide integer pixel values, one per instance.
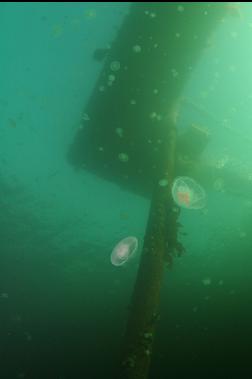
(163, 183)
(123, 157)
(85, 117)
(153, 15)
(115, 66)
(180, 8)
(137, 49)
(206, 281)
(119, 132)
(111, 78)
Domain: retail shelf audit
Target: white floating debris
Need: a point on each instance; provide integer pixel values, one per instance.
(115, 66)
(137, 49)
(206, 281)
(155, 91)
(123, 157)
(101, 148)
(133, 102)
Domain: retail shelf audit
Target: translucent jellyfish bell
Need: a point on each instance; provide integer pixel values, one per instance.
(188, 194)
(123, 251)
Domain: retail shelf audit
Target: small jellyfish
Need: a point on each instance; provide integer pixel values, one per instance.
(123, 251)
(188, 194)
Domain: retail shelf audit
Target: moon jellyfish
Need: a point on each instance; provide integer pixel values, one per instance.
(188, 194)
(123, 251)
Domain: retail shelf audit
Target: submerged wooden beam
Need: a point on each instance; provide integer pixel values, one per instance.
(144, 310)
